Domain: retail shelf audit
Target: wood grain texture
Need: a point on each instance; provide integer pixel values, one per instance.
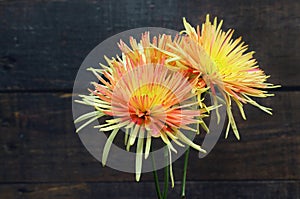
(43, 43)
(145, 190)
(38, 144)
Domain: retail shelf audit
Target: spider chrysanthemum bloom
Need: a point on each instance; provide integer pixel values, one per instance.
(146, 51)
(222, 63)
(148, 102)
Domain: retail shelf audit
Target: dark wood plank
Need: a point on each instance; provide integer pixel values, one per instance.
(43, 43)
(146, 190)
(38, 144)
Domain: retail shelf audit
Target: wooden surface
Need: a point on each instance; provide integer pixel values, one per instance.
(42, 45)
(146, 190)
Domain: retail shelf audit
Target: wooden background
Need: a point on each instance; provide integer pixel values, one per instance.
(42, 45)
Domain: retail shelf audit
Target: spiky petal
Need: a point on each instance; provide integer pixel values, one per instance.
(222, 63)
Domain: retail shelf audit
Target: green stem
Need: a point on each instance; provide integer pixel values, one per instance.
(166, 185)
(186, 159)
(155, 177)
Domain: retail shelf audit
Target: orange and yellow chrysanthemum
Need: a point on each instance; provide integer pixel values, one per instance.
(222, 64)
(146, 99)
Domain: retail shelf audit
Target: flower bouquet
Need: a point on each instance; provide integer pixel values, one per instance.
(157, 90)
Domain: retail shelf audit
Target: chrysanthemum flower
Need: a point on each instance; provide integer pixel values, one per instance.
(221, 63)
(138, 54)
(146, 100)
